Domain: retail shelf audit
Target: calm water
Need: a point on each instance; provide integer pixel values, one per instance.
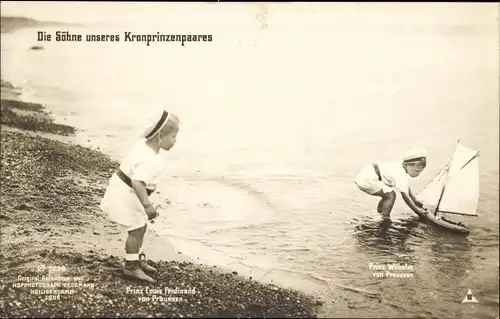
(278, 114)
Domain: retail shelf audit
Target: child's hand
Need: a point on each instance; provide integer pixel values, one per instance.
(151, 211)
(424, 210)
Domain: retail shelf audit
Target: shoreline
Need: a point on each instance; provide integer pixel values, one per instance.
(50, 219)
(52, 226)
(282, 278)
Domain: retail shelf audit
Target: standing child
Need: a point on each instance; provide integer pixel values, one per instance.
(384, 179)
(127, 201)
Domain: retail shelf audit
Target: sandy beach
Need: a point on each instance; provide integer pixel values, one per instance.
(61, 257)
(50, 219)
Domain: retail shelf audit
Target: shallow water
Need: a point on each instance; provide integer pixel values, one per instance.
(277, 118)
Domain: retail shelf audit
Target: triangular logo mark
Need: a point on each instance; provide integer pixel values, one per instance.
(469, 298)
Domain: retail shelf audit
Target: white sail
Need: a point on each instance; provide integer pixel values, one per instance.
(460, 157)
(430, 194)
(461, 191)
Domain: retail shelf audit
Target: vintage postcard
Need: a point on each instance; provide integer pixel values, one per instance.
(224, 159)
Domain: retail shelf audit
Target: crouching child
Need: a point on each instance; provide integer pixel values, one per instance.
(386, 179)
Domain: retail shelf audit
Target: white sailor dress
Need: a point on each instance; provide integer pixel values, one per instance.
(120, 201)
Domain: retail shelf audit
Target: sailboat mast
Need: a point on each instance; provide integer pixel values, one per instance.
(442, 191)
(444, 186)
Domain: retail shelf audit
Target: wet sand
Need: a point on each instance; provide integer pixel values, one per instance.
(61, 256)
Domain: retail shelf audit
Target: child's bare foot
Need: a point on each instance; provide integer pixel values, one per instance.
(385, 217)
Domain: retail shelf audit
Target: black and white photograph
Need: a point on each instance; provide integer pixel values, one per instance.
(249, 159)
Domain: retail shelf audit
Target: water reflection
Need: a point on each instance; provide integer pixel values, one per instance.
(450, 254)
(387, 238)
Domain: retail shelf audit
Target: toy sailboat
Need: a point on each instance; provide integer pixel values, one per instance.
(454, 190)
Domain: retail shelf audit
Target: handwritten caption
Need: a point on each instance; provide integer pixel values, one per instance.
(66, 36)
(164, 294)
(392, 270)
(54, 284)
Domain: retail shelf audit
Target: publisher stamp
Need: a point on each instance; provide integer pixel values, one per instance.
(51, 282)
(392, 270)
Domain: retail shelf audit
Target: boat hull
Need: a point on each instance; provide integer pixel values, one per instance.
(450, 225)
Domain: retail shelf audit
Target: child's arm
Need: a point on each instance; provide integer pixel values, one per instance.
(409, 201)
(414, 198)
(140, 190)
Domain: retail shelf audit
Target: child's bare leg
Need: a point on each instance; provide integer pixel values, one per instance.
(141, 238)
(142, 255)
(386, 204)
(134, 241)
(132, 262)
